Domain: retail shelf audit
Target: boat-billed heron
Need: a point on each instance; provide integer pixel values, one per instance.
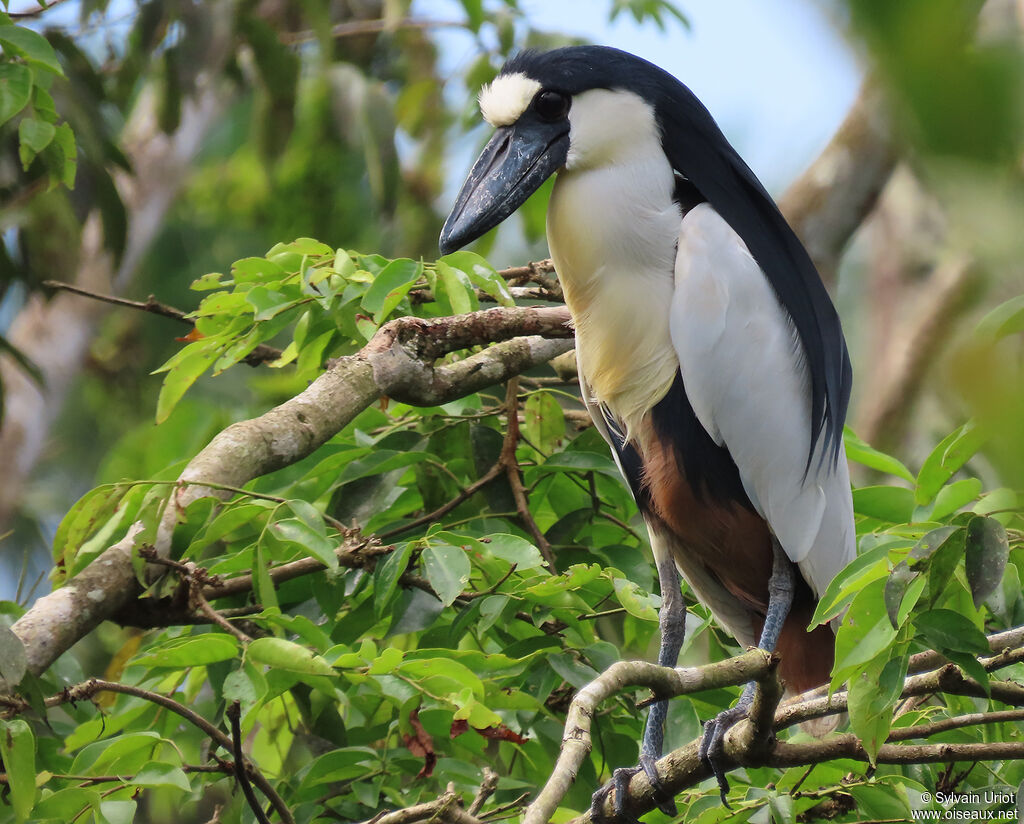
(710, 355)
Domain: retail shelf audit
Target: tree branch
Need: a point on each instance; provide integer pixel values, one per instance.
(87, 689)
(665, 681)
(751, 742)
(234, 716)
(515, 480)
(397, 363)
(261, 354)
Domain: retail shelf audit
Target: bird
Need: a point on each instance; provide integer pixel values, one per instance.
(710, 355)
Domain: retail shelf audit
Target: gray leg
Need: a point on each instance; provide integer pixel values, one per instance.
(780, 599)
(672, 622)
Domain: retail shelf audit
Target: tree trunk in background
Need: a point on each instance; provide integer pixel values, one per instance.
(55, 334)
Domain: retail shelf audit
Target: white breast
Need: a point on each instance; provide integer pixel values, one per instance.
(612, 228)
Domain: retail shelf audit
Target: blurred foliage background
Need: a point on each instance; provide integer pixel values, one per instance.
(337, 121)
(206, 133)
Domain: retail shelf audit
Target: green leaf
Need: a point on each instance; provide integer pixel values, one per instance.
(33, 136)
(379, 462)
(515, 550)
(66, 804)
(65, 141)
(948, 630)
(388, 660)
(30, 45)
(15, 89)
(257, 270)
(196, 358)
(390, 286)
(131, 750)
(581, 462)
(458, 287)
(886, 503)
(491, 609)
(481, 274)
(865, 632)
(245, 685)
(341, 765)
(268, 303)
(866, 455)
(313, 543)
(873, 692)
(954, 496)
(116, 812)
(157, 774)
(970, 665)
(576, 674)
(442, 676)
(987, 551)
(636, 601)
(862, 570)
(230, 519)
(91, 511)
(287, 655)
(448, 569)
(18, 750)
(946, 460)
(544, 422)
(386, 577)
(896, 586)
(191, 651)
(578, 575)
(881, 802)
(1006, 319)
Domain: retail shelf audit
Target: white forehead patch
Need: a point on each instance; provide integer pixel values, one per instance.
(504, 100)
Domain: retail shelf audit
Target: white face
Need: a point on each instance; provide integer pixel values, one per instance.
(606, 126)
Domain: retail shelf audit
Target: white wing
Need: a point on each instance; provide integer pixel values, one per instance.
(744, 373)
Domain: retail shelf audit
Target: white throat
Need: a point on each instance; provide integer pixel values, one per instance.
(612, 228)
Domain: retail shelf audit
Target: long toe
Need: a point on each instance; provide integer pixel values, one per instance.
(620, 785)
(662, 797)
(712, 745)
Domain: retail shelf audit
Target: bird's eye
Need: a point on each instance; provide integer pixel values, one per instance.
(551, 105)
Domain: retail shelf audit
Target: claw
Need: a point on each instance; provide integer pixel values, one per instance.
(662, 797)
(620, 784)
(712, 744)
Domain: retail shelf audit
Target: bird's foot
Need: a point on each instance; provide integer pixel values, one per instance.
(712, 743)
(620, 784)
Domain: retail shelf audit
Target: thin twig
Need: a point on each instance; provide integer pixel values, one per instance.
(28, 15)
(487, 788)
(957, 722)
(234, 715)
(515, 480)
(151, 304)
(504, 808)
(87, 689)
(445, 508)
(355, 28)
(261, 354)
(195, 577)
